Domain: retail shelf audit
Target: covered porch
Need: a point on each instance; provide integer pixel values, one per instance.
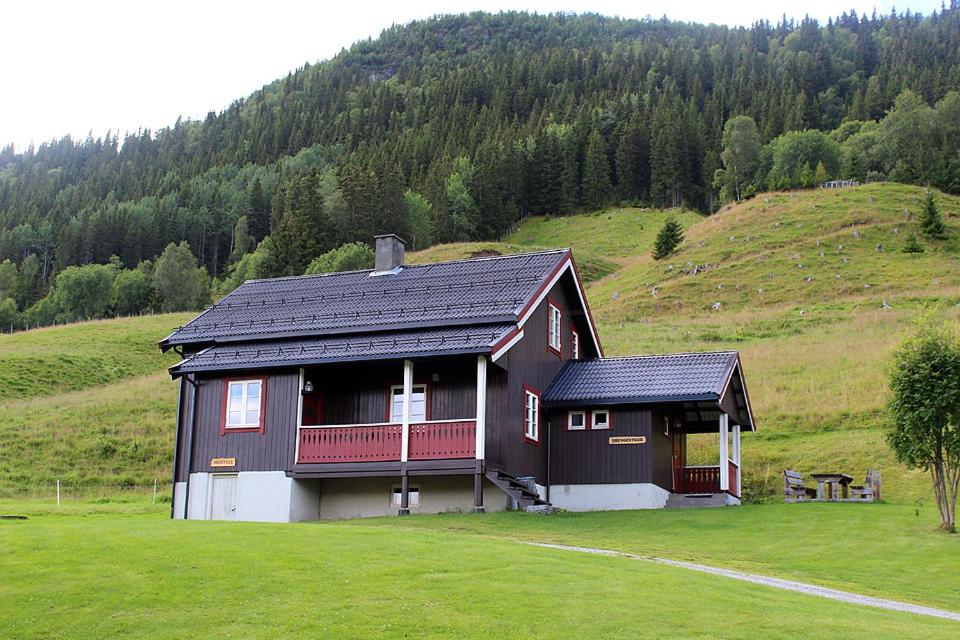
(703, 479)
(393, 418)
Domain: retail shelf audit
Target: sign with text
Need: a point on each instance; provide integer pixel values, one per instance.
(223, 462)
(627, 440)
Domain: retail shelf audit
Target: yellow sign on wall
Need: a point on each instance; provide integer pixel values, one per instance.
(627, 440)
(223, 462)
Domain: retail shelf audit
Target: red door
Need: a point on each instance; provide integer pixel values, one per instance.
(679, 459)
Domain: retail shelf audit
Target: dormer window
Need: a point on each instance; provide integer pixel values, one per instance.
(554, 320)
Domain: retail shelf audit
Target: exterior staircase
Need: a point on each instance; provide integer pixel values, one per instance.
(694, 500)
(522, 491)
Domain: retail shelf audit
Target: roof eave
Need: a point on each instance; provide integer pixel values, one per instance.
(662, 399)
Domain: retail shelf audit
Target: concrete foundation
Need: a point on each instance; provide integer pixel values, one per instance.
(270, 496)
(608, 497)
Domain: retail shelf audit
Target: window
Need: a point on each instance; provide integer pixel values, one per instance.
(553, 327)
(574, 345)
(601, 419)
(576, 421)
(418, 403)
(531, 414)
(413, 496)
(243, 404)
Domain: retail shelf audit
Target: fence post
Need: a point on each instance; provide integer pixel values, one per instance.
(58, 493)
(154, 491)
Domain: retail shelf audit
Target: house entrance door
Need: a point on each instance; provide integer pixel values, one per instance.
(223, 497)
(679, 459)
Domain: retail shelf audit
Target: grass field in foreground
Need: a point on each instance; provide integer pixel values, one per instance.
(143, 576)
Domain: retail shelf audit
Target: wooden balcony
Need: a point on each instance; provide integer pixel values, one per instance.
(383, 442)
(706, 479)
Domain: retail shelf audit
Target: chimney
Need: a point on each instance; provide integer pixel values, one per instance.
(389, 254)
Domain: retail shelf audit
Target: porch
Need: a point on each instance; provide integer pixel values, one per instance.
(379, 418)
(710, 479)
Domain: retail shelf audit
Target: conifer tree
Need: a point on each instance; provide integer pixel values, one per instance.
(596, 172)
(931, 221)
(668, 239)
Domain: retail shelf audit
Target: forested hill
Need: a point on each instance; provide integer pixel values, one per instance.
(454, 127)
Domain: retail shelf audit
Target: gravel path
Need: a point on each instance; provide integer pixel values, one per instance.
(778, 583)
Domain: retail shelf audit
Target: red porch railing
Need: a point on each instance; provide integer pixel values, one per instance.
(360, 443)
(439, 440)
(383, 442)
(701, 480)
(734, 487)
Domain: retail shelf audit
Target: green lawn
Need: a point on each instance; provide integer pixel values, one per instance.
(115, 575)
(886, 550)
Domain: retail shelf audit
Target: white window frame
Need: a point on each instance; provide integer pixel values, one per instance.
(554, 327)
(413, 390)
(574, 344)
(245, 396)
(593, 419)
(570, 425)
(666, 426)
(531, 415)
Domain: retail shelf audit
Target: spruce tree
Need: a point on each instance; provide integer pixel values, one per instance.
(596, 172)
(931, 222)
(668, 238)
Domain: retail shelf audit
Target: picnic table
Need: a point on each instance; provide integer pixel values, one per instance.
(830, 486)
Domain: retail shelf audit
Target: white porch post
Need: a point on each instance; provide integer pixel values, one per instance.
(724, 453)
(481, 406)
(736, 455)
(407, 398)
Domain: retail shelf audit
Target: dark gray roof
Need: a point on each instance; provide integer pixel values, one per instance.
(351, 347)
(464, 292)
(658, 378)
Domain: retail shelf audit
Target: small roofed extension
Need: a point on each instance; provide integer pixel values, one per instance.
(428, 388)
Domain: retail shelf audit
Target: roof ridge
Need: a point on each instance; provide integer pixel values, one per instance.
(663, 355)
(307, 276)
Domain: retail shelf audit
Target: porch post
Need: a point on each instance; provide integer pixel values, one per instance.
(481, 433)
(736, 456)
(724, 453)
(405, 437)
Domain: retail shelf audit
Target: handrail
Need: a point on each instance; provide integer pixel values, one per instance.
(378, 424)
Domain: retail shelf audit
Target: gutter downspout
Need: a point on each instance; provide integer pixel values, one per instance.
(189, 447)
(548, 462)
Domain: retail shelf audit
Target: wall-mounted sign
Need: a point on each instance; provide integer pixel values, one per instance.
(223, 462)
(627, 440)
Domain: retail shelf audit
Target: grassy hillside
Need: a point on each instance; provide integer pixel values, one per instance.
(86, 403)
(55, 360)
(90, 402)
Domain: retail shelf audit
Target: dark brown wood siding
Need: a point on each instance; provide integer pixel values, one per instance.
(587, 457)
(271, 450)
(661, 447)
(530, 363)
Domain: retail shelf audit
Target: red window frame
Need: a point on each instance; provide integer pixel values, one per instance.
(553, 304)
(426, 399)
(224, 429)
(523, 422)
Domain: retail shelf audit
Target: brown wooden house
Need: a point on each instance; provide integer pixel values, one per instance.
(467, 385)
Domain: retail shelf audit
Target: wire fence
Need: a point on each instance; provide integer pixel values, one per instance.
(59, 492)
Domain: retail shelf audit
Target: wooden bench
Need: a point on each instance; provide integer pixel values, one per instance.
(794, 490)
(871, 489)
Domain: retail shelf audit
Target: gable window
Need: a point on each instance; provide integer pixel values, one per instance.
(553, 327)
(574, 344)
(418, 403)
(577, 421)
(244, 405)
(531, 414)
(601, 419)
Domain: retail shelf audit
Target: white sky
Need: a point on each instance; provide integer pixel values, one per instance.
(75, 67)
